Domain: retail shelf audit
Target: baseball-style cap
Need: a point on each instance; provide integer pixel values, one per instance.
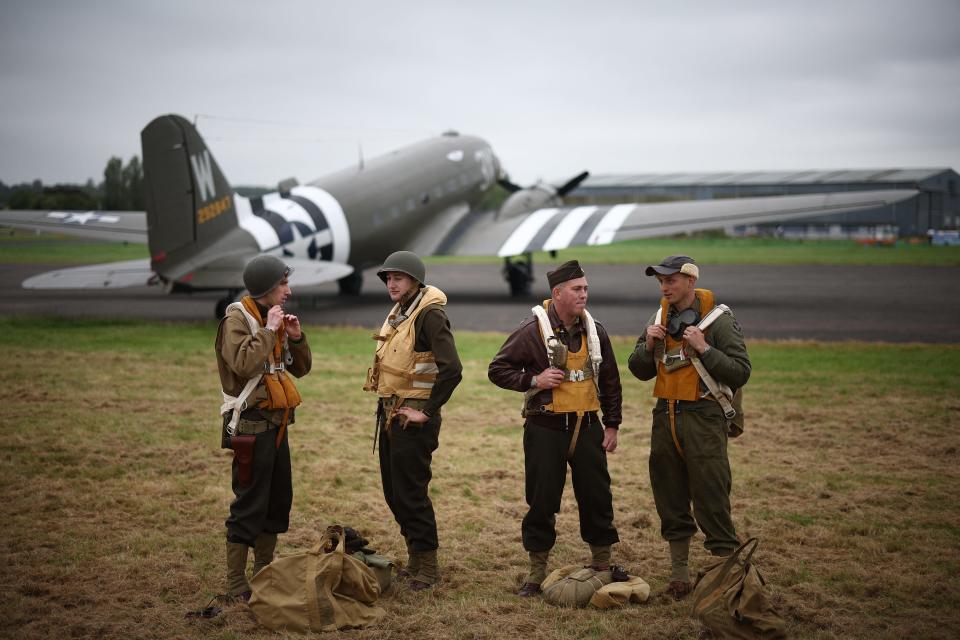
(674, 264)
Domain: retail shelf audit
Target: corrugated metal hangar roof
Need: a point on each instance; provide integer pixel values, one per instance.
(811, 176)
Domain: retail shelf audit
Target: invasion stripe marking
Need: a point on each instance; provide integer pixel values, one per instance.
(522, 235)
(259, 228)
(545, 232)
(611, 223)
(567, 229)
(290, 211)
(280, 226)
(319, 220)
(588, 227)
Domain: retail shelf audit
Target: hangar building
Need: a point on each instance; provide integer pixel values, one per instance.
(936, 206)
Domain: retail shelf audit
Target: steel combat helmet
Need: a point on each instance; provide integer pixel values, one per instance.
(405, 262)
(263, 273)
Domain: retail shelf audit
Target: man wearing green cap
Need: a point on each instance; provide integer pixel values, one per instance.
(257, 346)
(695, 350)
(562, 361)
(415, 370)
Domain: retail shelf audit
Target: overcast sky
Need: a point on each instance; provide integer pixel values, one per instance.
(292, 88)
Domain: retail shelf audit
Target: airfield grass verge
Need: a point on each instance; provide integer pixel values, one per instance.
(26, 247)
(115, 489)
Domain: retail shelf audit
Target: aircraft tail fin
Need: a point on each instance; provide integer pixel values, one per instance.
(189, 202)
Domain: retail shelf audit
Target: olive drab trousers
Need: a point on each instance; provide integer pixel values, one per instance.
(701, 476)
(545, 469)
(264, 506)
(405, 457)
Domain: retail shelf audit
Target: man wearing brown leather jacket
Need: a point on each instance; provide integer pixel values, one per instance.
(566, 380)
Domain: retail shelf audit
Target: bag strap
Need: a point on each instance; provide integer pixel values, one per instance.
(728, 411)
(725, 569)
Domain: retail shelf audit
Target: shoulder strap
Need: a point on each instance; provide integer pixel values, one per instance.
(239, 403)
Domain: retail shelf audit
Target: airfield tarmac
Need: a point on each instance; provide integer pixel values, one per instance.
(872, 303)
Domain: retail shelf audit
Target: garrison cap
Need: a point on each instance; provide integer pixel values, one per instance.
(675, 264)
(567, 271)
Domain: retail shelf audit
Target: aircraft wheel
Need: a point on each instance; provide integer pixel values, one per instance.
(519, 275)
(351, 284)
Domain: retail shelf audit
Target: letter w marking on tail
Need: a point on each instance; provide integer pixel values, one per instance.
(203, 174)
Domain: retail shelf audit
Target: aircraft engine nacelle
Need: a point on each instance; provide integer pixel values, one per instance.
(524, 201)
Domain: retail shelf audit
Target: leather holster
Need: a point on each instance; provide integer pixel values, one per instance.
(243, 455)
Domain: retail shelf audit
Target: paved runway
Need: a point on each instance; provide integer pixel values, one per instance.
(893, 304)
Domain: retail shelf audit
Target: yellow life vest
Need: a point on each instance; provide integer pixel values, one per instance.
(398, 369)
(681, 383)
(578, 391)
(282, 392)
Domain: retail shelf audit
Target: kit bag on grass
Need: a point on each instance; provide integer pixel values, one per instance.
(323, 589)
(573, 586)
(729, 598)
(577, 586)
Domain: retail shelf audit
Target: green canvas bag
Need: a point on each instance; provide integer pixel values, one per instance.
(729, 598)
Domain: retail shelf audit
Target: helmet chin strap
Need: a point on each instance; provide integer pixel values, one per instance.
(403, 315)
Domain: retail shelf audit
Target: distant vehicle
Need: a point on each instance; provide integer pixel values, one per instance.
(942, 238)
(423, 198)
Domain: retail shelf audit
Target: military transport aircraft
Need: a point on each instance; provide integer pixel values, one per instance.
(423, 197)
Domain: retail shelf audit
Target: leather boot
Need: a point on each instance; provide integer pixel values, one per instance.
(413, 565)
(538, 573)
(263, 551)
(237, 586)
(428, 574)
(600, 557)
(679, 586)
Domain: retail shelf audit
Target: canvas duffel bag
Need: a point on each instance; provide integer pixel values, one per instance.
(323, 589)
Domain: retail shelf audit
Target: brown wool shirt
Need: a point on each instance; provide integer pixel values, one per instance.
(433, 332)
(523, 356)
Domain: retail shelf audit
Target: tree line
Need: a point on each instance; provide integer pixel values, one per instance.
(120, 190)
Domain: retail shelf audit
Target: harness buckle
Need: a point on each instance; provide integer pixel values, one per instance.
(576, 375)
(273, 368)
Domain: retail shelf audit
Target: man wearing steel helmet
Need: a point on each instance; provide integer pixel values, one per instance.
(691, 353)
(257, 346)
(415, 370)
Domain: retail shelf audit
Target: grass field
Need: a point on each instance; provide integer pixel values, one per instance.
(21, 247)
(115, 489)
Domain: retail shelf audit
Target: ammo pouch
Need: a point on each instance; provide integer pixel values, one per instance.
(243, 455)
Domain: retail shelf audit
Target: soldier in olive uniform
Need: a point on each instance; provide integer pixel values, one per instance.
(688, 447)
(416, 368)
(562, 360)
(257, 345)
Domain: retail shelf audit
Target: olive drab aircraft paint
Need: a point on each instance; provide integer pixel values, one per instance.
(423, 198)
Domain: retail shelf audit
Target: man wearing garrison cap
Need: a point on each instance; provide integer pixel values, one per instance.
(695, 350)
(562, 361)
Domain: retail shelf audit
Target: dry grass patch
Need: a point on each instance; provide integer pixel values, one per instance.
(115, 489)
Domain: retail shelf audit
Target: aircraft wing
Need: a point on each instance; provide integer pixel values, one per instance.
(223, 273)
(482, 234)
(119, 226)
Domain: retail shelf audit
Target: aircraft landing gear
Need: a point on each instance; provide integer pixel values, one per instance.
(518, 272)
(224, 302)
(351, 285)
